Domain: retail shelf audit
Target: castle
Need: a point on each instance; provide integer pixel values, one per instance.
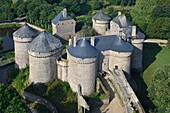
(119, 46)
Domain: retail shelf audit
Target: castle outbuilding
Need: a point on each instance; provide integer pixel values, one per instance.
(82, 63)
(22, 38)
(63, 25)
(101, 22)
(43, 52)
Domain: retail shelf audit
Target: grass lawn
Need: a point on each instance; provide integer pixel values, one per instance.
(154, 57)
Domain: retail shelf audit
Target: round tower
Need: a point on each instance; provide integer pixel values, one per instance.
(120, 55)
(22, 38)
(82, 62)
(101, 22)
(43, 52)
(137, 42)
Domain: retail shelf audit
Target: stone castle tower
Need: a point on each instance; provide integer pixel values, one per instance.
(43, 52)
(101, 22)
(137, 42)
(82, 63)
(121, 27)
(22, 38)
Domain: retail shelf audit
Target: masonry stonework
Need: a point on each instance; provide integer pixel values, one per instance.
(21, 53)
(83, 72)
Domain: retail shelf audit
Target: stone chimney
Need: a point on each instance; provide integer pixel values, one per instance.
(64, 12)
(75, 40)
(70, 41)
(92, 41)
(120, 33)
(119, 13)
(133, 31)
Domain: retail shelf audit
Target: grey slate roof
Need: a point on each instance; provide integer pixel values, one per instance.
(122, 21)
(44, 42)
(25, 32)
(128, 33)
(60, 17)
(113, 43)
(140, 35)
(101, 16)
(83, 49)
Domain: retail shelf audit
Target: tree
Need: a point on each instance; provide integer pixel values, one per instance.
(158, 90)
(6, 10)
(97, 4)
(159, 28)
(11, 102)
(141, 13)
(72, 6)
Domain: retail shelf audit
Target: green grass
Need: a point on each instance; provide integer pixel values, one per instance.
(21, 80)
(9, 25)
(157, 57)
(97, 95)
(8, 55)
(154, 57)
(17, 78)
(58, 93)
(7, 61)
(7, 58)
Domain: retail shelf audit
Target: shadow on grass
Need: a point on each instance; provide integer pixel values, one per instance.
(142, 91)
(150, 50)
(11, 74)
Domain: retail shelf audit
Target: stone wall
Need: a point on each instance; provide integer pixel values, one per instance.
(120, 59)
(114, 28)
(21, 54)
(65, 28)
(125, 91)
(82, 71)
(42, 69)
(111, 59)
(137, 54)
(100, 26)
(62, 70)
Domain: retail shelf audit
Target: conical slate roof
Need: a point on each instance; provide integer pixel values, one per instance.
(25, 32)
(113, 43)
(83, 49)
(44, 42)
(101, 16)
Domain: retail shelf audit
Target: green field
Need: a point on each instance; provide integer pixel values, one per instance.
(154, 57)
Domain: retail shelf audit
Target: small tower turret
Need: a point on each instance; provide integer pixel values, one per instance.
(101, 22)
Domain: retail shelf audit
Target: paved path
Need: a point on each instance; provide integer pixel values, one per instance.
(40, 100)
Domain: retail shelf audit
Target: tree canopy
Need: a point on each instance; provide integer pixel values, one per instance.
(158, 90)
(152, 17)
(11, 102)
